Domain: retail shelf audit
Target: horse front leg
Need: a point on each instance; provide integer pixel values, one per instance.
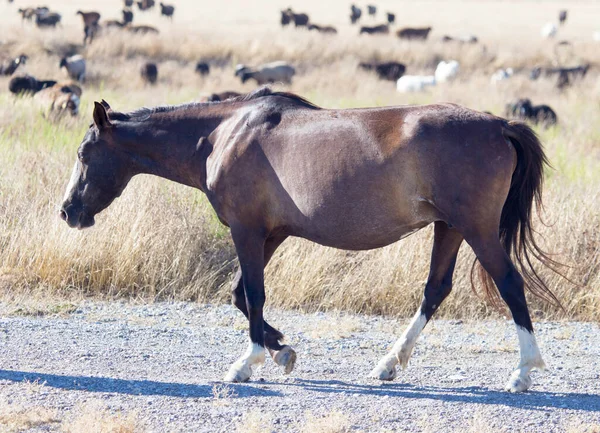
(250, 250)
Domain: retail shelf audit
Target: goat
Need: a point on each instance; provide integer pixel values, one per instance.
(267, 73)
(446, 71)
(13, 65)
(564, 75)
(202, 68)
(372, 10)
(391, 18)
(90, 25)
(145, 5)
(524, 110)
(549, 30)
(49, 19)
(27, 84)
(59, 99)
(413, 33)
(149, 73)
(390, 71)
(167, 10)
(562, 16)
(74, 66)
(285, 18)
(300, 20)
(355, 14)
(127, 16)
(414, 83)
(382, 29)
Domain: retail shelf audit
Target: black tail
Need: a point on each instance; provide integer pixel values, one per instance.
(516, 231)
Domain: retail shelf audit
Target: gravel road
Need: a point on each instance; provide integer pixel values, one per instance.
(163, 362)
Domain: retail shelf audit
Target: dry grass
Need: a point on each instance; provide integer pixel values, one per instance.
(222, 394)
(333, 422)
(163, 241)
(92, 417)
(18, 419)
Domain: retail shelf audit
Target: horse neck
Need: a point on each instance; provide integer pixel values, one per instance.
(167, 144)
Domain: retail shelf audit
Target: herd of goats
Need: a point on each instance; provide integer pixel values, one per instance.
(60, 97)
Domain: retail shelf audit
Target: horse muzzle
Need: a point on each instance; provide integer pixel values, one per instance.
(76, 218)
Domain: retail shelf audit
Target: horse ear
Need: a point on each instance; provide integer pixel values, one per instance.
(105, 105)
(100, 117)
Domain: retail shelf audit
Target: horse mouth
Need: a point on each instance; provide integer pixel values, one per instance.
(81, 220)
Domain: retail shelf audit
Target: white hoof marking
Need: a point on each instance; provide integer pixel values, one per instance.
(241, 370)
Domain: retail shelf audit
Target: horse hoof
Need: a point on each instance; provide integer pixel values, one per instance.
(383, 373)
(285, 357)
(236, 374)
(518, 383)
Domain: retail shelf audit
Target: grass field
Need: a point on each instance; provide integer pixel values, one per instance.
(162, 241)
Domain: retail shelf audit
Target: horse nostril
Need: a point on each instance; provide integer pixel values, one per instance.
(63, 215)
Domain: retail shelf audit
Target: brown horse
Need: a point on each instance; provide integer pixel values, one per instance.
(274, 165)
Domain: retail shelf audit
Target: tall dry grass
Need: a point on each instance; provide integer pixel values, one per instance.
(162, 241)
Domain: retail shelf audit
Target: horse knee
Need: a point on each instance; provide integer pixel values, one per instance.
(434, 296)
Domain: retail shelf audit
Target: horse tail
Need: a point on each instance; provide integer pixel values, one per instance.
(516, 231)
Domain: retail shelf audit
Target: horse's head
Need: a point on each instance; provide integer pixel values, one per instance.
(101, 172)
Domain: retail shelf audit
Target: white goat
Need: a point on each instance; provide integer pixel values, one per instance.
(74, 67)
(549, 30)
(501, 75)
(446, 71)
(414, 83)
(268, 73)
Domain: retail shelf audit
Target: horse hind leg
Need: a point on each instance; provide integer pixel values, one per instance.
(509, 282)
(446, 244)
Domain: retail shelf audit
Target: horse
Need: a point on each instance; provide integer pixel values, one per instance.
(274, 165)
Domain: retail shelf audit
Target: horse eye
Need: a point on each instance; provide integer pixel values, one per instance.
(82, 158)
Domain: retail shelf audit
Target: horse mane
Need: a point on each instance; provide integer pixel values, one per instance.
(262, 92)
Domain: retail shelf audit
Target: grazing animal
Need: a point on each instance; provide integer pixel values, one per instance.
(59, 99)
(285, 18)
(300, 20)
(355, 14)
(223, 96)
(414, 83)
(564, 75)
(202, 68)
(322, 29)
(27, 85)
(127, 16)
(466, 39)
(446, 71)
(91, 25)
(145, 5)
(268, 73)
(74, 66)
(562, 16)
(149, 72)
(390, 71)
(49, 19)
(382, 29)
(413, 33)
(391, 18)
(142, 30)
(372, 10)
(167, 10)
(273, 165)
(27, 13)
(549, 30)
(502, 75)
(523, 109)
(12, 66)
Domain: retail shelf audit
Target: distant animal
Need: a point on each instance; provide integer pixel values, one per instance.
(268, 73)
(145, 5)
(414, 83)
(322, 29)
(27, 85)
(167, 10)
(300, 20)
(355, 14)
(223, 96)
(10, 67)
(285, 18)
(502, 75)
(90, 25)
(27, 13)
(128, 3)
(549, 30)
(382, 29)
(523, 109)
(127, 16)
(59, 99)
(149, 72)
(413, 33)
(372, 10)
(446, 71)
(142, 30)
(202, 68)
(50, 19)
(390, 71)
(564, 75)
(391, 18)
(465, 39)
(74, 66)
(562, 16)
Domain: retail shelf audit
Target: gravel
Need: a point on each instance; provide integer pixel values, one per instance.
(164, 362)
